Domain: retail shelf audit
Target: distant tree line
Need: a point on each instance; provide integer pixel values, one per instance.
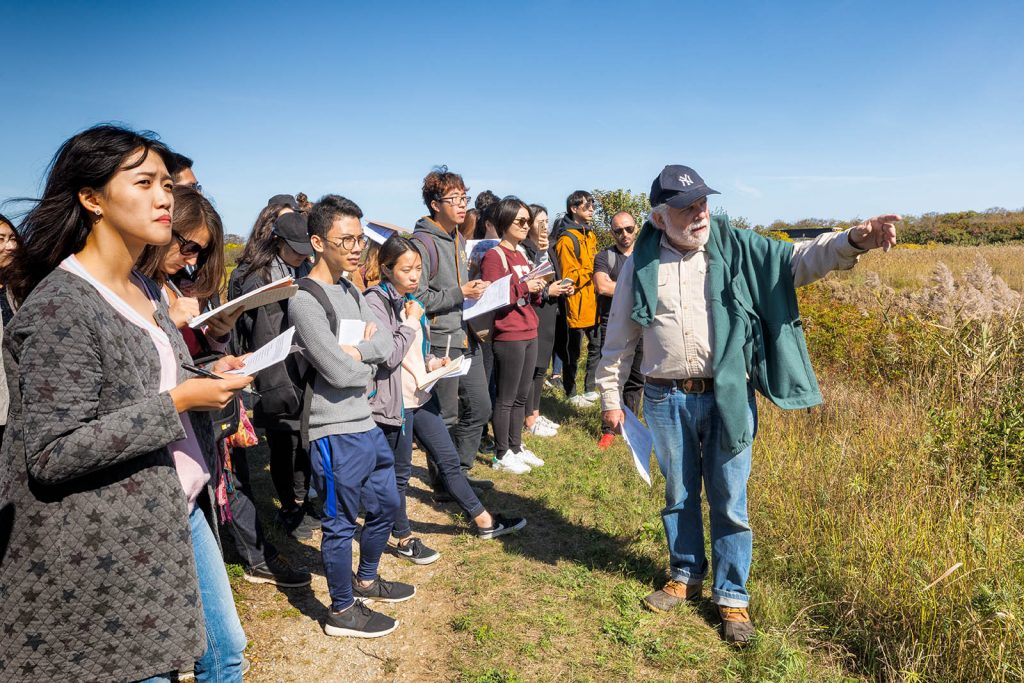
(991, 226)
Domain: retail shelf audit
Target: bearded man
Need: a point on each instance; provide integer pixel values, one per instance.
(715, 309)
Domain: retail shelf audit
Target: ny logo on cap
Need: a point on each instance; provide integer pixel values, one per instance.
(685, 179)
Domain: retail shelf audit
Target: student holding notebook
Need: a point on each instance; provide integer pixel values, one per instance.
(402, 409)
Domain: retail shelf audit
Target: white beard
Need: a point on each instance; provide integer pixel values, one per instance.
(684, 238)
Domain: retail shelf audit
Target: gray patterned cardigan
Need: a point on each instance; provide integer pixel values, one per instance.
(97, 576)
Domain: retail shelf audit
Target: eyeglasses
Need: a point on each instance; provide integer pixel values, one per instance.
(348, 242)
(188, 247)
(628, 230)
(521, 222)
(455, 201)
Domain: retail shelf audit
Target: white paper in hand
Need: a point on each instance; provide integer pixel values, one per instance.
(274, 351)
(640, 443)
(350, 332)
(493, 298)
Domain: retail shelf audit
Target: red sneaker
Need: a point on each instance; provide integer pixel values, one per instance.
(606, 441)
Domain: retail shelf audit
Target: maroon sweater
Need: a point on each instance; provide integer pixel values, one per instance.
(517, 322)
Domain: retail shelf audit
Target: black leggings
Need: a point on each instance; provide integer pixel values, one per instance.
(289, 467)
(514, 365)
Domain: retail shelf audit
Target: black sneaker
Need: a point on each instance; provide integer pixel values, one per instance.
(415, 552)
(443, 496)
(486, 447)
(484, 484)
(277, 571)
(502, 526)
(383, 591)
(294, 524)
(359, 621)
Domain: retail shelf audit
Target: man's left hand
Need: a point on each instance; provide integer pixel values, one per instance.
(876, 232)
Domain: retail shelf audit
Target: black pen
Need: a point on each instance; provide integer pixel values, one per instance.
(199, 371)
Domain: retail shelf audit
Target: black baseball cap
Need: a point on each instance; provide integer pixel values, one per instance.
(291, 227)
(679, 186)
(284, 200)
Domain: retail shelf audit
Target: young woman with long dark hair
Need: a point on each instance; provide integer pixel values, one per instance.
(190, 271)
(402, 410)
(103, 473)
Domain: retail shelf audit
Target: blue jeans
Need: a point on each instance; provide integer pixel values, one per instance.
(225, 639)
(349, 471)
(685, 428)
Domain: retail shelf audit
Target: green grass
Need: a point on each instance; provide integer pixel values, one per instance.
(562, 600)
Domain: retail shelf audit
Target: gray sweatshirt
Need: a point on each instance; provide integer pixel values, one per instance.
(339, 404)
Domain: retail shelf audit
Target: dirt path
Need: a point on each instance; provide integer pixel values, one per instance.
(286, 641)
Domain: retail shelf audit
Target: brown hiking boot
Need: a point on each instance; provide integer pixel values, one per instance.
(673, 593)
(736, 625)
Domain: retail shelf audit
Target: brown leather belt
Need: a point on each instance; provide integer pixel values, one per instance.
(699, 385)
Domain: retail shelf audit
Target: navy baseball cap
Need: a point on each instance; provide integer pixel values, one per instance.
(679, 186)
(291, 227)
(284, 200)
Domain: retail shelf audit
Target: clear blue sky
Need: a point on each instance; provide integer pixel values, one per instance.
(790, 109)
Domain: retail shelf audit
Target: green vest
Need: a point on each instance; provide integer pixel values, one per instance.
(755, 318)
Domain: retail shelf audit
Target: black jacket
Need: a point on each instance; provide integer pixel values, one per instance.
(279, 386)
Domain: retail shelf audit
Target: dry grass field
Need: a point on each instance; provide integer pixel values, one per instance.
(889, 523)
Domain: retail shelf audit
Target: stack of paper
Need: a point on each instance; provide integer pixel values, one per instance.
(453, 369)
(543, 270)
(277, 290)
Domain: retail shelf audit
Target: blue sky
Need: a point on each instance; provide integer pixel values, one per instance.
(790, 109)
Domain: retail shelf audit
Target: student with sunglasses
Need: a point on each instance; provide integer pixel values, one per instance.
(190, 271)
(515, 334)
(607, 266)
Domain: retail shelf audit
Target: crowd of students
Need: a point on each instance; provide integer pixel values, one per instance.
(125, 444)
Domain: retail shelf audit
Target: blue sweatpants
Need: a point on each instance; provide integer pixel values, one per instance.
(349, 471)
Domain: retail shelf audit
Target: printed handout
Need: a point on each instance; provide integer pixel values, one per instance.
(350, 332)
(640, 443)
(274, 351)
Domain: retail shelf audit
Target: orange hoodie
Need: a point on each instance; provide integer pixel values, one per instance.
(581, 306)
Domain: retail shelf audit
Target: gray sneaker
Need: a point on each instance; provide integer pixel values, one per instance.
(415, 551)
(359, 621)
(383, 591)
(501, 527)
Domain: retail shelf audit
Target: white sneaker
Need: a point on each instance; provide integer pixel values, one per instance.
(580, 401)
(592, 396)
(549, 423)
(510, 462)
(541, 429)
(528, 457)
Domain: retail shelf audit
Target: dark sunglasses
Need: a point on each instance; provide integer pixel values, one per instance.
(188, 247)
(627, 230)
